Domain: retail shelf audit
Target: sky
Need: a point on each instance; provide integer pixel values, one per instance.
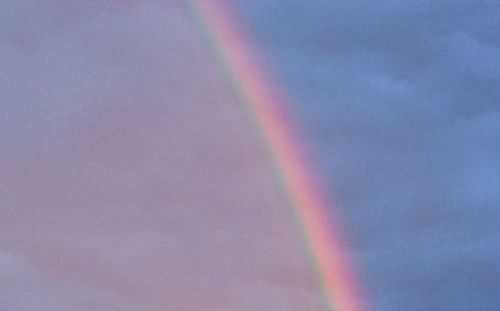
(132, 180)
(400, 105)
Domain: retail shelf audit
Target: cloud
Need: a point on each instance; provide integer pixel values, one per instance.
(399, 101)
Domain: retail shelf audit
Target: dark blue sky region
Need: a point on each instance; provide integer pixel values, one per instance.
(399, 101)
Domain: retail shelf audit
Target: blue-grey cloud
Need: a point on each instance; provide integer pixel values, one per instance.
(400, 102)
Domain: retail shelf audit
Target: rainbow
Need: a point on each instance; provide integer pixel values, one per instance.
(265, 104)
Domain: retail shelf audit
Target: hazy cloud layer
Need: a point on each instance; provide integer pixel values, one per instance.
(130, 178)
(400, 101)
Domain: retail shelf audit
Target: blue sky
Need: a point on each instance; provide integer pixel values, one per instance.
(399, 102)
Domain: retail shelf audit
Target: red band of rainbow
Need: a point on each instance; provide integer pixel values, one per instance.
(266, 105)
